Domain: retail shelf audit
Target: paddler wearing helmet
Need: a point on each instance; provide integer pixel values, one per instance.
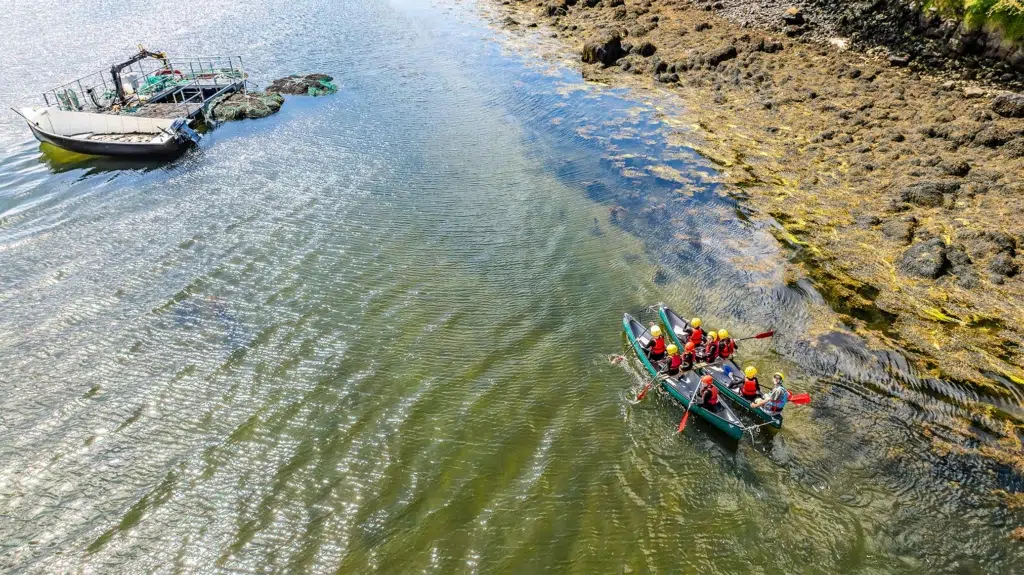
(711, 349)
(726, 345)
(655, 348)
(674, 360)
(776, 398)
(708, 392)
(689, 356)
(751, 389)
(695, 333)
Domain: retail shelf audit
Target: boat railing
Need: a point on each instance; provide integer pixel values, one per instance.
(95, 92)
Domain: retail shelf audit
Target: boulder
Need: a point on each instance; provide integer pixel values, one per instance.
(973, 92)
(992, 136)
(900, 229)
(899, 61)
(1015, 148)
(1009, 105)
(928, 194)
(959, 168)
(646, 49)
(925, 259)
(793, 16)
(605, 50)
(721, 54)
(1003, 265)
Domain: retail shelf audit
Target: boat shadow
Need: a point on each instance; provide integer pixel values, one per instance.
(59, 161)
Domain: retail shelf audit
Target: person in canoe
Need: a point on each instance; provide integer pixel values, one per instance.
(708, 393)
(776, 398)
(751, 389)
(690, 356)
(675, 361)
(694, 333)
(711, 348)
(726, 344)
(655, 349)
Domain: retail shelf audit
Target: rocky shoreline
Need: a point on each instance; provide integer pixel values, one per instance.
(896, 189)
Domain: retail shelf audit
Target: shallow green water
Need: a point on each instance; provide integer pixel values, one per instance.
(372, 333)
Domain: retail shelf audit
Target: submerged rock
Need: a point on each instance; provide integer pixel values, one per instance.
(308, 85)
(240, 106)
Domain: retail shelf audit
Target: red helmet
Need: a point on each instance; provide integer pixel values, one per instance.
(689, 346)
(706, 380)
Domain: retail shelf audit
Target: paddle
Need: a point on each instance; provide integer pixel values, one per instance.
(758, 336)
(643, 393)
(682, 424)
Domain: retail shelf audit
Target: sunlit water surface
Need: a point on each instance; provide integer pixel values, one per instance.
(372, 332)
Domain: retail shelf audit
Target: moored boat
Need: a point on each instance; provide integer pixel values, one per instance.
(726, 373)
(682, 388)
(135, 110)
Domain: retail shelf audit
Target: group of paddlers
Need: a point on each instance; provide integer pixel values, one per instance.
(708, 347)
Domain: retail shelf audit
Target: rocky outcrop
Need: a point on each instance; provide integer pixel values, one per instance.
(605, 50)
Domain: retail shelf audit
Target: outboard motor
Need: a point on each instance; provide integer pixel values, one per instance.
(181, 129)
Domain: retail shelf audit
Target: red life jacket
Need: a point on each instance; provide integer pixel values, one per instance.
(711, 351)
(658, 345)
(749, 387)
(713, 400)
(726, 347)
(697, 336)
(674, 362)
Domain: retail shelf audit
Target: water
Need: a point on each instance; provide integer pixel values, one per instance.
(372, 332)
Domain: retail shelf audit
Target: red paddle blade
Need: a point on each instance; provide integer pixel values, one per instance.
(800, 398)
(765, 334)
(682, 424)
(643, 393)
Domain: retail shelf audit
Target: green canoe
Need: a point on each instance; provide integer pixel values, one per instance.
(725, 372)
(682, 388)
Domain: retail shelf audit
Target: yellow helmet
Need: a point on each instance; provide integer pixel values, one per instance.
(712, 335)
(779, 375)
(695, 322)
(751, 371)
(672, 349)
(723, 334)
(655, 331)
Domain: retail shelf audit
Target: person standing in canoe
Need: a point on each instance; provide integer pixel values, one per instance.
(726, 345)
(690, 357)
(675, 361)
(708, 393)
(694, 333)
(751, 389)
(776, 398)
(655, 348)
(711, 349)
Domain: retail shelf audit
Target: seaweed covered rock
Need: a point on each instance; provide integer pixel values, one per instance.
(239, 106)
(308, 85)
(605, 50)
(925, 259)
(1009, 105)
